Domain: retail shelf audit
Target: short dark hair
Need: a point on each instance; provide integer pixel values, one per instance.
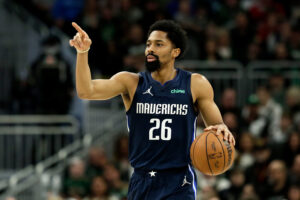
(174, 33)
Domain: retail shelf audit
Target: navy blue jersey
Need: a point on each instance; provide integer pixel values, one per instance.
(161, 122)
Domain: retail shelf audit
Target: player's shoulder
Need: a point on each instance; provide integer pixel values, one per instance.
(126, 76)
(127, 79)
(199, 79)
(200, 86)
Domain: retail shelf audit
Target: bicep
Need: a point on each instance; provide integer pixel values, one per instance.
(204, 96)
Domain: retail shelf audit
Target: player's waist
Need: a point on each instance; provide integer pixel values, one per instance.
(160, 172)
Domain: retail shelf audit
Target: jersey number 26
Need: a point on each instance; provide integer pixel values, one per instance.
(165, 131)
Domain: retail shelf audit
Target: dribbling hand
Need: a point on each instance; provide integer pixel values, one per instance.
(222, 128)
(81, 40)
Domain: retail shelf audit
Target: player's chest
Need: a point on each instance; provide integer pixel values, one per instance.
(171, 94)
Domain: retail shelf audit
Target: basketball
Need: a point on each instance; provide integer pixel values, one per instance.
(210, 154)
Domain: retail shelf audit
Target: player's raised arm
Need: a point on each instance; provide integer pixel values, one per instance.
(85, 86)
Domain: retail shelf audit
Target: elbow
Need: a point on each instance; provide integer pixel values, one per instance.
(82, 95)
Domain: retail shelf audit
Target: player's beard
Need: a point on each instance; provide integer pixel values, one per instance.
(154, 65)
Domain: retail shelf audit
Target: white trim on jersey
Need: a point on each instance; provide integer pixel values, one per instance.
(194, 182)
(127, 124)
(195, 128)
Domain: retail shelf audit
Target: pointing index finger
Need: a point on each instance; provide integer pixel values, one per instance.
(77, 27)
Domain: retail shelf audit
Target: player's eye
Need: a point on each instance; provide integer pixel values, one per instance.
(148, 45)
(159, 44)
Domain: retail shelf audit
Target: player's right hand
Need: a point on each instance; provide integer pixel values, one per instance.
(81, 40)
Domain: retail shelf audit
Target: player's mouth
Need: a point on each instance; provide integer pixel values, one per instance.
(151, 58)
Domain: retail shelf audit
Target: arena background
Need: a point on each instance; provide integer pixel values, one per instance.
(56, 146)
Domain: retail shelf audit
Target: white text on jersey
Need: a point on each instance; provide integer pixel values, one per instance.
(161, 109)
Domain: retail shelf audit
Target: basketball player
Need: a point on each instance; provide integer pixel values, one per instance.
(162, 105)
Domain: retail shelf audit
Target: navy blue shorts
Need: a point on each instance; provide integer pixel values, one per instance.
(171, 184)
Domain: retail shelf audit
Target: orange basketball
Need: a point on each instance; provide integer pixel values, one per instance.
(210, 154)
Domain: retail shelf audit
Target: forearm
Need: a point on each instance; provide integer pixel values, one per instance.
(83, 76)
(211, 114)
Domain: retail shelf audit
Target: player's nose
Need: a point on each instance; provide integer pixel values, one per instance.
(150, 52)
(149, 49)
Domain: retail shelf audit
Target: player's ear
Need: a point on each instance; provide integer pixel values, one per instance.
(176, 52)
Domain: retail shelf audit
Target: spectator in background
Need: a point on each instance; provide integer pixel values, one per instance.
(291, 148)
(257, 173)
(185, 17)
(245, 148)
(284, 32)
(286, 128)
(42, 9)
(226, 13)
(66, 11)
(266, 32)
(10, 198)
(210, 53)
(237, 179)
(152, 12)
(39, 8)
(258, 10)
(117, 187)
(209, 193)
(108, 24)
(281, 52)
(201, 18)
(23, 101)
(99, 190)
(131, 12)
(254, 52)
(210, 186)
(223, 45)
(250, 110)
(294, 42)
(75, 184)
(51, 79)
(113, 62)
(211, 32)
(277, 185)
(121, 157)
(292, 99)
(295, 170)
(268, 122)
(249, 193)
(90, 20)
(241, 36)
(230, 110)
(100, 22)
(294, 192)
(96, 161)
(277, 87)
(228, 102)
(134, 58)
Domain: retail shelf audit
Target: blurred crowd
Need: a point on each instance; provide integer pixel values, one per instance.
(243, 30)
(96, 176)
(267, 127)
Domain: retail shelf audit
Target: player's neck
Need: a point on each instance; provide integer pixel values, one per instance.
(164, 74)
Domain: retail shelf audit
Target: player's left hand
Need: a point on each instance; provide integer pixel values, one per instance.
(222, 128)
